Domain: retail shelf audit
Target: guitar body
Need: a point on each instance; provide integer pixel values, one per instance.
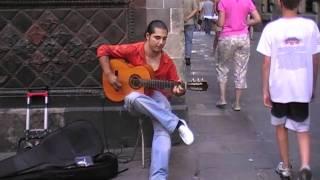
(127, 75)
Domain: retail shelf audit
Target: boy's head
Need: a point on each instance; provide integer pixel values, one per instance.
(289, 4)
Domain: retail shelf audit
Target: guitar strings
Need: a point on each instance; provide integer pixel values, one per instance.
(157, 83)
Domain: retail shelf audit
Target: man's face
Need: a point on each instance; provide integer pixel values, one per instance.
(157, 40)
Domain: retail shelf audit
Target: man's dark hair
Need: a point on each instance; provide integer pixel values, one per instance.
(155, 24)
(290, 4)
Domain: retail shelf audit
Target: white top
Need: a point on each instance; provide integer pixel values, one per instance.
(214, 17)
(290, 42)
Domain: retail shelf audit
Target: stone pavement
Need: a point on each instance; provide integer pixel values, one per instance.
(228, 145)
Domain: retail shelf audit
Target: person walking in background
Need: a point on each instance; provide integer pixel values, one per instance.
(250, 28)
(208, 12)
(154, 103)
(200, 16)
(190, 10)
(234, 45)
(289, 76)
(217, 29)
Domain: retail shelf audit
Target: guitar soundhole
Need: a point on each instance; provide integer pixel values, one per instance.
(134, 82)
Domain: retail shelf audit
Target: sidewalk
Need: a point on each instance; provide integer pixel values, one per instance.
(228, 145)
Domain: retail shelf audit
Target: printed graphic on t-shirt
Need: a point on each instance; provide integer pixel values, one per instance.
(292, 41)
(291, 53)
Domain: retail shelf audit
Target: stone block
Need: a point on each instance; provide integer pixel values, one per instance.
(161, 14)
(3, 23)
(74, 21)
(114, 35)
(34, 13)
(11, 62)
(62, 35)
(173, 4)
(177, 20)
(50, 48)
(155, 4)
(180, 64)
(24, 49)
(175, 45)
(48, 21)
(75, 48)
(88, 35)
(22, 22)
(98, 24)
(36, 34)
(76, 75)
(139, 3)
(140, 24)
(9, 36)
(26, 75)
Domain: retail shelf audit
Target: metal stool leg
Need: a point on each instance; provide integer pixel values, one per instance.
(142, 141)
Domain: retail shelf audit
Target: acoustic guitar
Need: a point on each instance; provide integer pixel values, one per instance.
(137, 78)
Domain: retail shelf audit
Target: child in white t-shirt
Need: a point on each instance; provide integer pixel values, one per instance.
(291, 47)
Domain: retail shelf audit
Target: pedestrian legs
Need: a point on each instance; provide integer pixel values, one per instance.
(188, 36)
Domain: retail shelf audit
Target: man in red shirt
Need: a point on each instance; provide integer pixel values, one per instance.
(154, 104)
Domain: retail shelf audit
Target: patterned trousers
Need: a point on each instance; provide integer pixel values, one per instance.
(235, 49)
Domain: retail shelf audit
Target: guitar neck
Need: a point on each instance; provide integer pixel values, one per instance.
(158, 84)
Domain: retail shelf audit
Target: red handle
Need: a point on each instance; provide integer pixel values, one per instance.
(31, 94)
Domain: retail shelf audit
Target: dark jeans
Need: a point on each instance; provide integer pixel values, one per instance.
(207, 25)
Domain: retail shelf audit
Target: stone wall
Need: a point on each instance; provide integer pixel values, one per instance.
(55, 45)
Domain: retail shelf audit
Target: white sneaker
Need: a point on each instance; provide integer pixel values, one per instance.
(185, 133)
(282, 171)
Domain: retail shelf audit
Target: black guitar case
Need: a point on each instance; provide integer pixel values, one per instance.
(55, 156)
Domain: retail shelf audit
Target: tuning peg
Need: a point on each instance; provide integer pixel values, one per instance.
(198, 80)
(192, 80)
(202, 79)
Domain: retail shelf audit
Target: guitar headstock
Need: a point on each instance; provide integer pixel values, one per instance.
(197, 85)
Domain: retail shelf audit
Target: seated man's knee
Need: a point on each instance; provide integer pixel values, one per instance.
(130, 102)
(132, 96)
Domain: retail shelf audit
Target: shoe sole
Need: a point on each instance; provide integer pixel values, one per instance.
(283, 177)
(221, 106)
(236, 109)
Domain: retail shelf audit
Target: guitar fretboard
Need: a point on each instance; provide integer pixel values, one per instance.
(162, 84)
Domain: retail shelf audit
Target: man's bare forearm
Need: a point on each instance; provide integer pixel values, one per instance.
(104, 62)
(191, 14)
